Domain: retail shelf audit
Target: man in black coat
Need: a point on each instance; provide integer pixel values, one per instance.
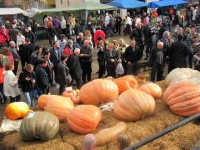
(41, 76)
(137, 35)
(111, 58)
(55, 55)
(177, 54)
(23, 53)
(157, 61)
(132, 56)
(86, 58)
(75, 67)
(147, 34)
(30, 48)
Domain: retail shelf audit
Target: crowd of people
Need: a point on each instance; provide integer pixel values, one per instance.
(69, 56)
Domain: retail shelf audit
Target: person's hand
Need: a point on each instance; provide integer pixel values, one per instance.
(195, 56)
(81, 55)
(129, 63)
(112, 60)
(119, 60)
(142, 39)
(27, 78)
(196, 44)
(33, 81)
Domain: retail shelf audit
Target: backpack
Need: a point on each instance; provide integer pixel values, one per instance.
(33, 59)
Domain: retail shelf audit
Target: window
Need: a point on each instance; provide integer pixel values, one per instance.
(61, 1)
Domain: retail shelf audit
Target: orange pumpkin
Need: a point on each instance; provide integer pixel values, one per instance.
(126, 82)
(42, 100)
(133, 104)
(151, 89)
(84, 119)
(16, 110)
(73, 94)
(97, 91)
(60, 106)
(183, 98)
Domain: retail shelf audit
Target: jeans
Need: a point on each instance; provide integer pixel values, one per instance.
(29, 98)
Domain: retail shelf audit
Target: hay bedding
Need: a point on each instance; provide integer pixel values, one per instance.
(182, 138)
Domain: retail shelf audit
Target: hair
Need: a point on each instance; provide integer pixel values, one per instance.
(166, 33)
(63, 56)
(187, 31)
(37, 47)
(89, 142)
(98, 27)
(77, 50)
(73, 38)
(46, 52)
(45, 49)
(8, 66)
(101, 41)
(123, 140)
(11, 42)
(27, 39)
(88, 33)
(62, 36)
(28, 67)
(180, 37)
(110, 45)
(6, 51)
(160, 43)
(69, 42)
(41, 61)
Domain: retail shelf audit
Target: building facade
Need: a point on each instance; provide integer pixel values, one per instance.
(70, 3)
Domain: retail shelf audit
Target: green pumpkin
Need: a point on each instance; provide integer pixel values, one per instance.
(39, 125)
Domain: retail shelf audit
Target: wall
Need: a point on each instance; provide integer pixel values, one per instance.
(70, 3)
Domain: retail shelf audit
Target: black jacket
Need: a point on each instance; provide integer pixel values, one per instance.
(74, 66)
(87, 51)
(100, 54)
(132, 56)
(153, 56)
(27, 86)
(23, 52)
(41, 77)
(30, 48)
(177, 53)
(137, 34)
(108, 58)
(62, 73)
(53, 56)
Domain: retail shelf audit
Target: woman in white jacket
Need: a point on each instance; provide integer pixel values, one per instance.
(63, 24)
(10, 86)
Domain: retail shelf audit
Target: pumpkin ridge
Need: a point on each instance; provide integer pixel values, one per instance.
(181, 96)
(125, 106)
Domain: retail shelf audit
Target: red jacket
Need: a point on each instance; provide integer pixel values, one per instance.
(4, 37)
(67, 51)
(98, 34)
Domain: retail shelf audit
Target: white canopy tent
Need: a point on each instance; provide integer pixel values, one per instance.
(11, 11)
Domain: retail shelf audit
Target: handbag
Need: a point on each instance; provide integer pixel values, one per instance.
(69, 78)
(119, 69)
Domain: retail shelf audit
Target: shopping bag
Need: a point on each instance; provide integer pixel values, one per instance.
(55, 38)
(119, 69)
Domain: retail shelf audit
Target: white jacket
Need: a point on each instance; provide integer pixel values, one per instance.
(10, 86)
(63, 24)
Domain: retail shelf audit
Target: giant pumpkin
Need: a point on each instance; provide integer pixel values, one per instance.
(84, 119)
(98, 91)
(126, 82)
(183, 74)
(133, 104)
(16, 110)
(42, 100)
(60, 106)
(183, 98)
(151, 89)
(39, 125)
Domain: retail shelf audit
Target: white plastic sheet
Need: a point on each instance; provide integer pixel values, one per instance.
(10, 125)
